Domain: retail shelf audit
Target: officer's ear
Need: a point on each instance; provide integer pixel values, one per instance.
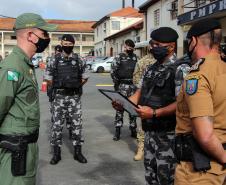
(171, 47)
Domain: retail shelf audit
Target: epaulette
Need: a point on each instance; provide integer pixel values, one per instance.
(183, 60)
(195, 67)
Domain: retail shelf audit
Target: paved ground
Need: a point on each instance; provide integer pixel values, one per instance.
(109, 162)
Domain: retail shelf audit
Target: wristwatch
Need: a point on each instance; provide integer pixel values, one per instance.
(154, 113)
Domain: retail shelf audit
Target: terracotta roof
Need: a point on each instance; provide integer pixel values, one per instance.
(64, 25)
(124, 12)
(137, 26)
(143, 8)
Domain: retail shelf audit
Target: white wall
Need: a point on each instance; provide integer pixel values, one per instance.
(99, 39)
(165, 20)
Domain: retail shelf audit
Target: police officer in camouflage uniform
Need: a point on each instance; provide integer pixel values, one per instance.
(51, 94)
(140, 67)
(19, 102)
(66, 74)
(122, 75)
(156, 99)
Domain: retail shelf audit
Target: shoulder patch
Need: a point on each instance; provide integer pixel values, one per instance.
(195, 67)
(13, 76)
(191, 86)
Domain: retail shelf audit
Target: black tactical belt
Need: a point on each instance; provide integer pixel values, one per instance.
(158, 125)
(68, 92)
(32, 138)
(128, 82)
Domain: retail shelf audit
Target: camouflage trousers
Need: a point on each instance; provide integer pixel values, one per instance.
(71, 106)
(67, 117)
(159, 159)
(126, 90)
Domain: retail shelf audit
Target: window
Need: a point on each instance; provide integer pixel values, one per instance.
(174, 10)
(83, 38)
(156, 17)
(115, 25)
(59, 37)
(199, 3)
(104, 27)
(13, 37)
(97, 32)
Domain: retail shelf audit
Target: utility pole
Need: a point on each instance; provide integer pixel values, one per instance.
(133, 3)
(123, 3)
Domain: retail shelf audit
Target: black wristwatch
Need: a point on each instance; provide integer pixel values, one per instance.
(154, 113)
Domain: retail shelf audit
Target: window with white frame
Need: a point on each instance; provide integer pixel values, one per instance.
(174, 10)
(115, 25)
(157, 17)
(199, 3)
(104, 27)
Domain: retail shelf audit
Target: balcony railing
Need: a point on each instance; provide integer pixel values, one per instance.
(77, 43)
(9, 42)
(54, 42)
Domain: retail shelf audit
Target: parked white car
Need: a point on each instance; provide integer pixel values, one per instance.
(102, 66)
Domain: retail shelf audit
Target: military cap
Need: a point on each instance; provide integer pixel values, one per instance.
(130, 43)
(68, 37)
(202, 27)
(31, 20)
(164, 34)
(58, 48)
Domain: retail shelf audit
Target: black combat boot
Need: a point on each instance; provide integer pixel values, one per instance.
(133, 132)
(78, 154)
(117, 134)
(56, 155)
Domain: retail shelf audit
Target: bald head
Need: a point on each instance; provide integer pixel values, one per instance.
(211, 39)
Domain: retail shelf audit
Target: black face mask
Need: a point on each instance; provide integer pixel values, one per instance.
(159, 53)
(189, 53)
(130, 52)
(67, 49)
(42, 44)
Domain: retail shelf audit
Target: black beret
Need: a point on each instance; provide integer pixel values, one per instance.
(164, 34)
(68, 37)
(130, 43)
(58, 48)
(202, 27)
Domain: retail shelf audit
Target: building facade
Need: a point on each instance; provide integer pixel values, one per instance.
(115, 42)
(180, 15)
(191, 11)
(111, 24)
(81, 30)
(160, 13)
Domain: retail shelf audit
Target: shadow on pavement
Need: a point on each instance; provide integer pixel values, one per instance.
(111, 171)
(108, 123)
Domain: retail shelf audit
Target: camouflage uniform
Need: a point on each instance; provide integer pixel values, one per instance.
(159, 159)
(51, 95)
(124, 88)
(67, 106)
(141, 66)
(63, 106)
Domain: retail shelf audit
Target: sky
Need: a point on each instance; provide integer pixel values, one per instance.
(64, 9)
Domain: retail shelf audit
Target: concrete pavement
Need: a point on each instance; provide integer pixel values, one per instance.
(109, 162)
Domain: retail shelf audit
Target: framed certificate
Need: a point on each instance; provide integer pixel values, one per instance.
(117, 96)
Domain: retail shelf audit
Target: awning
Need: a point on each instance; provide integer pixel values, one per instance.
(141, 44)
